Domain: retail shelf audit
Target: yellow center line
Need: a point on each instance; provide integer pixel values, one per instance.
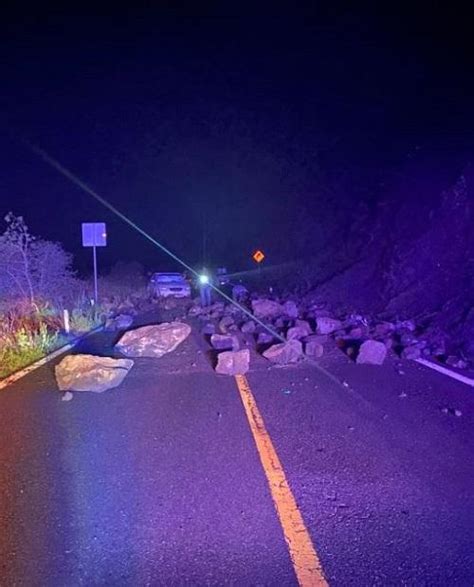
(303, 555)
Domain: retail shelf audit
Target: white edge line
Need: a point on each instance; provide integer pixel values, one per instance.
(448, 372)
(40, 362)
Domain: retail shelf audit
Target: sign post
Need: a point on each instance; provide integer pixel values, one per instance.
(94, 235)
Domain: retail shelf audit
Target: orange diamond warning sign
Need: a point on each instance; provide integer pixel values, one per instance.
(258, 256)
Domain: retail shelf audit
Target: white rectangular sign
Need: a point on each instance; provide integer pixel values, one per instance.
(94, 234)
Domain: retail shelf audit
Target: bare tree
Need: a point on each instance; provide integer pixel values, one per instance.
(15, 247)
(32, 268)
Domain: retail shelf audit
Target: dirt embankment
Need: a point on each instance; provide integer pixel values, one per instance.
(413, 258)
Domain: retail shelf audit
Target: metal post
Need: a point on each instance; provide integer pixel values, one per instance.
(66, 321)
(94, 254)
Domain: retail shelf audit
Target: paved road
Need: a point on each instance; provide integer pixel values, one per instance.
(159, 481)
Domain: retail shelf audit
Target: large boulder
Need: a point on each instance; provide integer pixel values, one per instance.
(264, 308)
(90, 373)
(372, 352)
(153, 341)
(326, 325)
(285, 352)
(224, 342)
(233, 362)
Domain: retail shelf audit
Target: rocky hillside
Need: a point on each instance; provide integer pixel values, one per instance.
(412, 258)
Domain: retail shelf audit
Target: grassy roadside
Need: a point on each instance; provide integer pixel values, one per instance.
(26, 338)
(30, 331)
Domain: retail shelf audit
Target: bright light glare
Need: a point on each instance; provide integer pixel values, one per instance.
(66, 173)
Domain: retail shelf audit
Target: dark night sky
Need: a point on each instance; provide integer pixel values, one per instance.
(229, 123)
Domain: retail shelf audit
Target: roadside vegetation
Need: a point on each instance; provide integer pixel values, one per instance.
(37, 283)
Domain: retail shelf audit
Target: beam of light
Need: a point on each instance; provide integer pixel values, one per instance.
(74, 179)
(82, 185)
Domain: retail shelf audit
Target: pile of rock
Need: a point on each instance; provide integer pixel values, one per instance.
(295, 327)
(366, 339)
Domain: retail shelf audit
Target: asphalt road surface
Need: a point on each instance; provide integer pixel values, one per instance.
(159, 482)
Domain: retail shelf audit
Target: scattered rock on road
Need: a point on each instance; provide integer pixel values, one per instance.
(383, 329)
(67, 396)
(357, 333)
(408, 339)
(91, 373)
(208, 329)
(291, 309)
(300, 330)
(285, 352)
(319, 338)
(248, 327)
(233, 362)
(295, 333)
(223, 342)
(266, 308)
(406, 325)
(325, 325)
(314, 349)
(153, 341)
(265, 338)
(195, 310)
(372, 352)
(305, 325)
(452, 412)
(227, 324)
(456, 362)
(412, 352)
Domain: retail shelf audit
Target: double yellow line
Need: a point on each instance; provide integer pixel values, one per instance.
(303, 555)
